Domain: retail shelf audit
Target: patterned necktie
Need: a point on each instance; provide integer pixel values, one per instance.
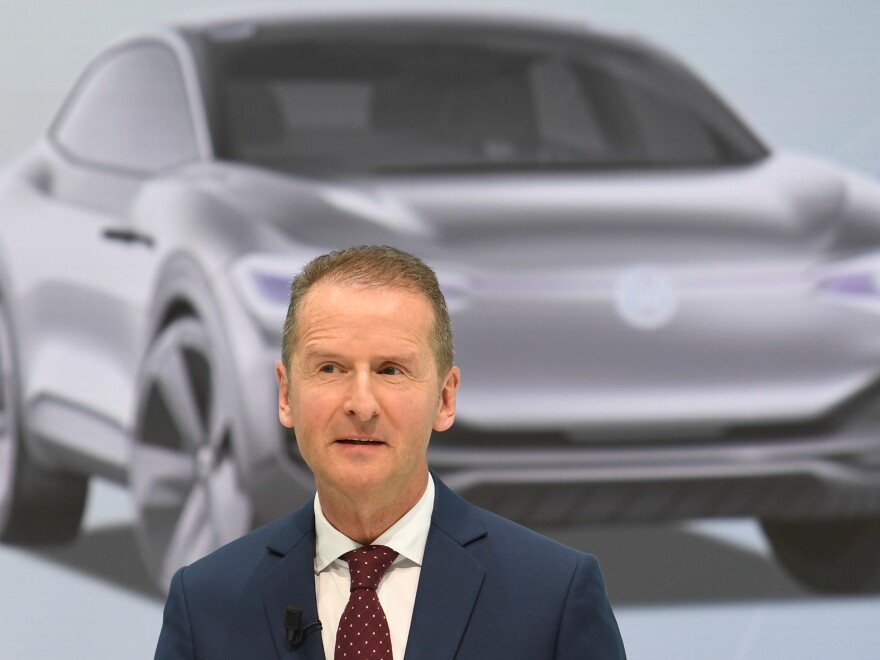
(363, 630)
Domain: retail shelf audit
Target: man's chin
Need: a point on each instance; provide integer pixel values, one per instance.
(362, 479)
(367, 480)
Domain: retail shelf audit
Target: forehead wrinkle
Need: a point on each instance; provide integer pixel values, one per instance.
(313, 349)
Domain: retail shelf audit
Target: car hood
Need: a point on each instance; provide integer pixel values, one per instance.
(701, 279)
(782, 206)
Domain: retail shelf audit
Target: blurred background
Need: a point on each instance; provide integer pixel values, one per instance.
(802, 74)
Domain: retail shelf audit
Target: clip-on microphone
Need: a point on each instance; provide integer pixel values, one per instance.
(296, 633)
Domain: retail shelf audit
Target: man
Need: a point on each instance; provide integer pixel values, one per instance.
(366, 375)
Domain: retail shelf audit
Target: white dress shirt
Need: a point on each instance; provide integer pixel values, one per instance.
(397, 590)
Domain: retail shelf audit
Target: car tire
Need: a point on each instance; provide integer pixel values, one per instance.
(184, 475)
(829, 556)
(37, 505)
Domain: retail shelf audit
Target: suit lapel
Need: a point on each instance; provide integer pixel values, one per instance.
(449, 582)
(291, 581)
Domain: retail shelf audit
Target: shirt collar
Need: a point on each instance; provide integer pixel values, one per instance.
(407, 536)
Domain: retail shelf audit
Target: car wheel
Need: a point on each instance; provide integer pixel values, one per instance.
(184, 476)
(37, 505)
(833, 556)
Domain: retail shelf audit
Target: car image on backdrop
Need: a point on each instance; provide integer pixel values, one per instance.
(658, 317)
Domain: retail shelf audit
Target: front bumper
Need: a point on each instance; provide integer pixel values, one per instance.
(822, 469)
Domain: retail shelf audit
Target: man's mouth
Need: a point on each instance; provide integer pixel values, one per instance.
(360, 441)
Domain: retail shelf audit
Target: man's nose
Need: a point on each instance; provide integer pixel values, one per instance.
(361, 402)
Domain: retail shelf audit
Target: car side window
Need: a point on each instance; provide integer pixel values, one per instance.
(129, 111)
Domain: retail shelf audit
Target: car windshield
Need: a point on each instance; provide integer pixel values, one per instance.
(404, 98)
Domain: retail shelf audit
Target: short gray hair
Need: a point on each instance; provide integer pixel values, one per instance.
(377, 266)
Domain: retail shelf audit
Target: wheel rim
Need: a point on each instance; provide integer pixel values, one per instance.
(8, 425)
(184, 476)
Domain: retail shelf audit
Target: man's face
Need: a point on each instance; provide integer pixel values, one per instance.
(362, 390)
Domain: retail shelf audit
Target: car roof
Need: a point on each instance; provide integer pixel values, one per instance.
(228, 21)
(378, 13)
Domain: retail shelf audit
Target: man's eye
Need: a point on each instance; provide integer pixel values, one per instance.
(327, 368)
(390, 371)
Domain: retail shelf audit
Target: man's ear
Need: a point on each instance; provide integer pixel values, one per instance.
(446, 405)
(284, 413)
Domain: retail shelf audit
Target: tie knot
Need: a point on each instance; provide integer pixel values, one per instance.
(368, 564)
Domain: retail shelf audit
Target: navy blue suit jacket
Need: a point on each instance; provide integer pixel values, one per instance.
(489, 589)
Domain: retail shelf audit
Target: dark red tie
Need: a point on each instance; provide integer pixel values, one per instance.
(363, 630)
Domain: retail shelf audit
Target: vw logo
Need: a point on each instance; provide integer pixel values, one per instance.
(645, 297)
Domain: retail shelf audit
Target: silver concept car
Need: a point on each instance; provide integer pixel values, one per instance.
(657, 316)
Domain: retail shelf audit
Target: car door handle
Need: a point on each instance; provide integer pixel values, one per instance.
(128, 236)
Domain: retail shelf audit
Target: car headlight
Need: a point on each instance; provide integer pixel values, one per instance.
(853, 283)
(262, 281)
